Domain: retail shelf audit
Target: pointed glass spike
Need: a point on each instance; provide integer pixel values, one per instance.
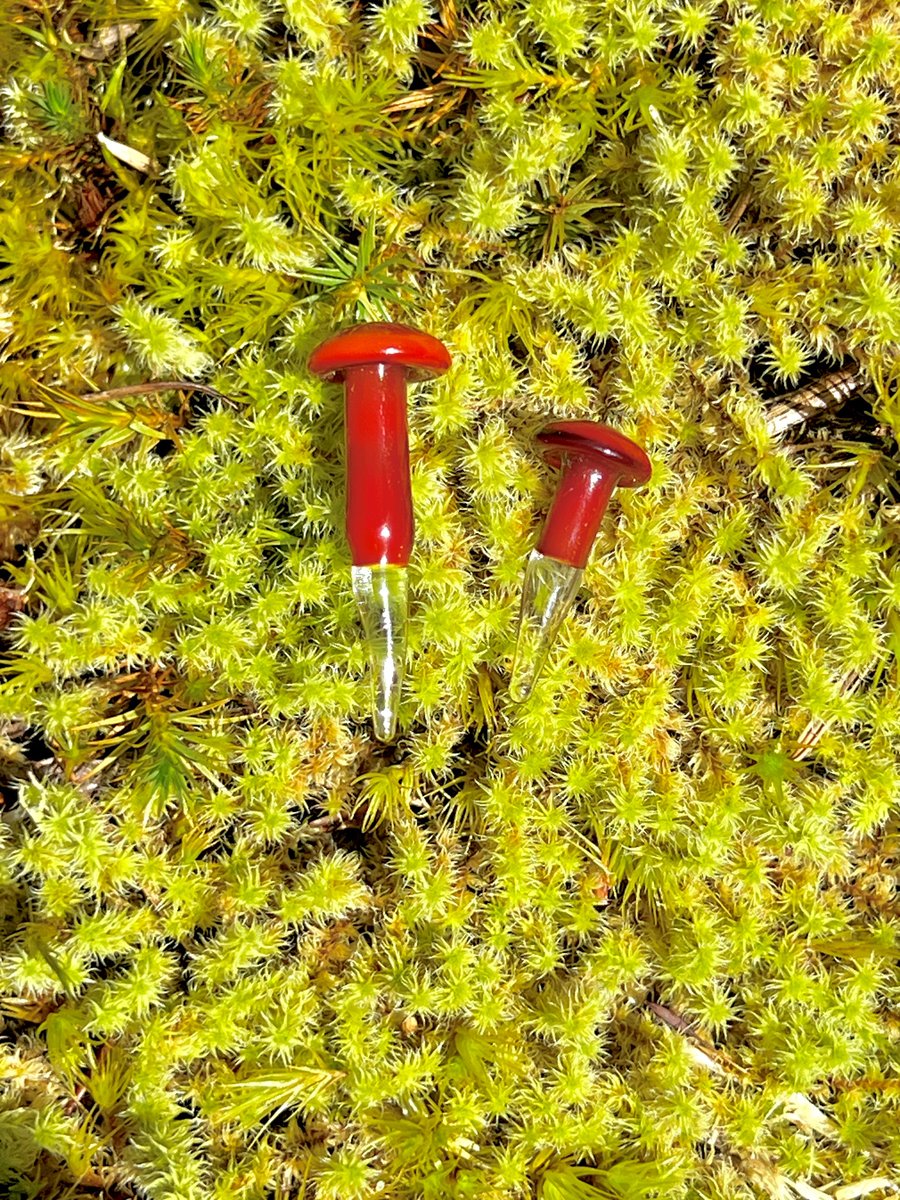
(381, 598)
(547, 594)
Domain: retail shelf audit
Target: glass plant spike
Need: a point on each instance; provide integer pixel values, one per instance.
(548, 590)
(380, 593)
(375, 362)
(594, 460)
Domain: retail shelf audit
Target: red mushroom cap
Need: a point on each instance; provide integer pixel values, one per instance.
(608, 448)
(380, 342)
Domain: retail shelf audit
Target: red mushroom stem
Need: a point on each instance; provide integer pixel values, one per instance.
(577, 510)
(380, 525)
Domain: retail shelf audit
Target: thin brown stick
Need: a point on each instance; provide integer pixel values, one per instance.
(817, 728)
(166, 385)
(827, 392)
(677, 1022)
(737, 211)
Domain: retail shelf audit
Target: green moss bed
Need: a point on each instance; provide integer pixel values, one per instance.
(636, 938)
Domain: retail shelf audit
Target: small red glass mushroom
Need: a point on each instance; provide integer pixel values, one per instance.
(594, 459)
(375, 362)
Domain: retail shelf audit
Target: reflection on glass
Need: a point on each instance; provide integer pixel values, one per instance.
(381, 598)
(547, 594)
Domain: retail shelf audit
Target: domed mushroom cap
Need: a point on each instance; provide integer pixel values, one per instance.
(380, 342)
(608, 448)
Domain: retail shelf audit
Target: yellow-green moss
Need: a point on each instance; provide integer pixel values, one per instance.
(637, 938)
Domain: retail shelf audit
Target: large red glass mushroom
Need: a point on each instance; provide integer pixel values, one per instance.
(375, 362)
(594, 459)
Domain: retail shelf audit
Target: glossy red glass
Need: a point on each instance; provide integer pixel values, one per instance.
(375, 362)
(594, 459)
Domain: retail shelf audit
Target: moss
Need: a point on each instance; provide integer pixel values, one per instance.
(634, 938)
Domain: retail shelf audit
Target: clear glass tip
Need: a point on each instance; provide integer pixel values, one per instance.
(381, 597)
(547, 594)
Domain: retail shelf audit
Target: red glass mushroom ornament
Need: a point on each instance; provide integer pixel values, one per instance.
(375, 362)
(594, 460)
